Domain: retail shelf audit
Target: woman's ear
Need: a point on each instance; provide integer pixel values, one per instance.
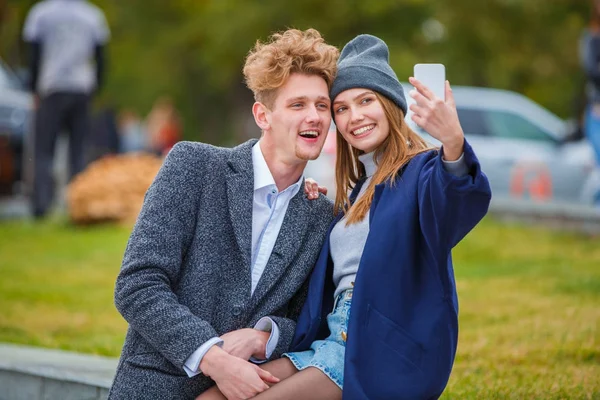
(261, 117)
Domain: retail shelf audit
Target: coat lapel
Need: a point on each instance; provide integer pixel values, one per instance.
(287, 245)
(240, 192)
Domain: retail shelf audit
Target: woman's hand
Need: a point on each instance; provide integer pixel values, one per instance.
(312, 189)
(438, 118)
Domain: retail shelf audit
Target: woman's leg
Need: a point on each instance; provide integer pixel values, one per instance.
(212, 394)
(281, 368)
(310, 380)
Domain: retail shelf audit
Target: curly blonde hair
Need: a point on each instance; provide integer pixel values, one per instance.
(269, 64)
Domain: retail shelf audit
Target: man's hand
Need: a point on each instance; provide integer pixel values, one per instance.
(312, 189)
(236, 379)
(246, 343)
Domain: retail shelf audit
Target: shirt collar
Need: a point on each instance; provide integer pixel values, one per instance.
(262, 173)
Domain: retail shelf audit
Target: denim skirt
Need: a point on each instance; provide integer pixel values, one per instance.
(328, 355)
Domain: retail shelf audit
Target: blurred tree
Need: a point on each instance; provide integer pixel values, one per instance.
(12, 17)
(194, 50)
(529, 46)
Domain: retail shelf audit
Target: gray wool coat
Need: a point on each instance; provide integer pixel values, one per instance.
(186, 275)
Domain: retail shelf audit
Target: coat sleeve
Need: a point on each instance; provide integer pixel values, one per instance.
(153, 257)
(450, 206)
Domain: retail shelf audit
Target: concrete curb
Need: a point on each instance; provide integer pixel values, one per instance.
(37, 373)
(553, 215)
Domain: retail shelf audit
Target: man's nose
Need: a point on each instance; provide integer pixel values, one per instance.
(312, 114)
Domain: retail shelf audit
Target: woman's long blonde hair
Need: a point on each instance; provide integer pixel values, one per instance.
(401, 145)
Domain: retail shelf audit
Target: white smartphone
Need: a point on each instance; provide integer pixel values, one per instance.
(433, 76)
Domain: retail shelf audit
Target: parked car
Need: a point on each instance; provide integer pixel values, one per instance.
(524, 149)
(16, 111)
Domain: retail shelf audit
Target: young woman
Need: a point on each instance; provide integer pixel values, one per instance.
(381, 318)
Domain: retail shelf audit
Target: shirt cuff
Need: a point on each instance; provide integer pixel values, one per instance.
(457, 168)
(192, 364)
(266, 324)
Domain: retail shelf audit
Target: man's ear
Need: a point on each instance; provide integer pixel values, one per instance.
(261, 117)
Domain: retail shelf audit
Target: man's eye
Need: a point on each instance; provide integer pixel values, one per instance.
(323, 106)
(297, 105)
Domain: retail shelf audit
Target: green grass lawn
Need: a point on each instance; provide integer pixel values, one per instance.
(529, 304)
(56, 286)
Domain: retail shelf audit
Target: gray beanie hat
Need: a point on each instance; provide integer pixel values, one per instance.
(364, 63)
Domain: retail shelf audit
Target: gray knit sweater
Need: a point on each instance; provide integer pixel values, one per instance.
(348, 241)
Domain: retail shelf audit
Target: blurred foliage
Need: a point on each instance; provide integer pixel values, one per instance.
(194, 50)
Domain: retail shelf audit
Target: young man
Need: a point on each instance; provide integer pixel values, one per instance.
(214, 272)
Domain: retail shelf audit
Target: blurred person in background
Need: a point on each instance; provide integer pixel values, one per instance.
(215, 271)
(65, 37)
(132, 133)
(164, 126)
(590, 58)
(381, 318)
(103, 138)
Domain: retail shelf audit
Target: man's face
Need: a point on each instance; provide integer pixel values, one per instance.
(300, 118)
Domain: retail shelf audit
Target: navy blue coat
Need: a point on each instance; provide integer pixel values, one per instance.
(403, 326)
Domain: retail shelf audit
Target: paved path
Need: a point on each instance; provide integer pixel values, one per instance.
(36, 373)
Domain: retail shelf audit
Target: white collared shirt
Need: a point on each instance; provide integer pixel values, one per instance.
(268, 211)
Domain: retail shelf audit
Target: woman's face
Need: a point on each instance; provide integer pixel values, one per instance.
(360, 118)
